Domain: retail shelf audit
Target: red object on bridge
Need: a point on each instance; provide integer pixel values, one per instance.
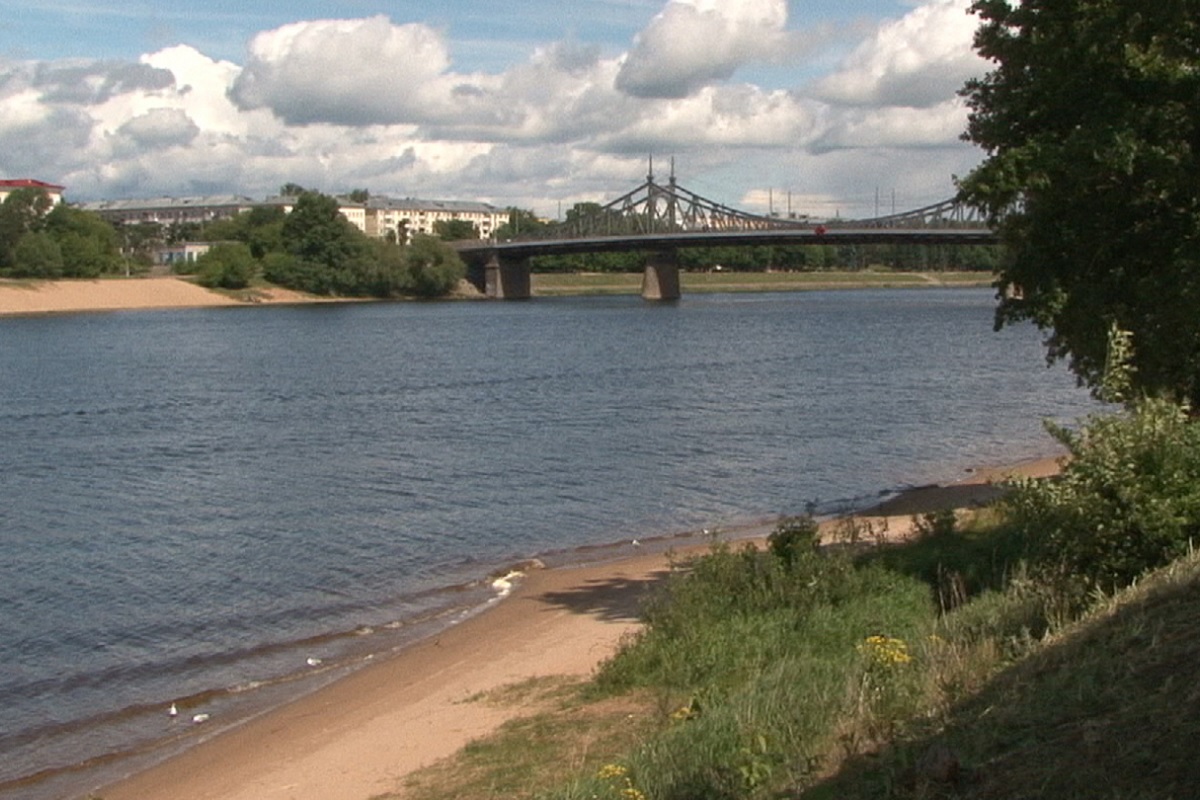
(820, 230)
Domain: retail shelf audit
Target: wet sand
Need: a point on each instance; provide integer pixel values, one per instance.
(361, 736)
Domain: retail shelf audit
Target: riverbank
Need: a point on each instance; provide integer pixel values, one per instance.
(600, 283)
(20, 297)
(360, 737)
(126, 294)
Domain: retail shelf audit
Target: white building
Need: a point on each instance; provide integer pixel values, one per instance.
(378, 217)
(182, 253)
(7, 187)
(407, 216)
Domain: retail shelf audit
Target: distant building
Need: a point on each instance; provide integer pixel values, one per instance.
(182, 253)
(407, 216)
(170, 210)
(7, 187)
(378, 217)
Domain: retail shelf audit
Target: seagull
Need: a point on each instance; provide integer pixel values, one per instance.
(312, 662)
(200, 718)
(173, 711)
(635, 543)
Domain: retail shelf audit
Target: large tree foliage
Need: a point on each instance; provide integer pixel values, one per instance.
(22, 212)
(90, 246)
(521, 223)
(455, 230)
(315, 231)
(227, 265)
(41, 240)
(432, 268)
(1091, 122)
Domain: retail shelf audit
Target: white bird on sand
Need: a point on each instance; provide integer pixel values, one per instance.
(312, 662)
(173, 711)
(635, 543)
(200, 718)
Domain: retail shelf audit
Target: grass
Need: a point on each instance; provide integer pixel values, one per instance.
(697, 282)
(837, 677)
(567, 734)
(1105, 708)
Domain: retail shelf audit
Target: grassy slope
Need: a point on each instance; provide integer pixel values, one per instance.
(1107, 708)
(1110, 708)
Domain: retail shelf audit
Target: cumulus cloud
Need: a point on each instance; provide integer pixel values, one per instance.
(736, 117)
(355, 72)
(918, 60)
(341, 104)
(693, 43)
(893, 127)
(160, 128)
(88, 83)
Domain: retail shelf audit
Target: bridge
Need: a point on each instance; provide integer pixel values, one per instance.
(660, 220)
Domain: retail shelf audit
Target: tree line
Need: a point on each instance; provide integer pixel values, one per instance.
(313, 249)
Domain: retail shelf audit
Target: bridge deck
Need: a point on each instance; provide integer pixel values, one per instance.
(704, 239)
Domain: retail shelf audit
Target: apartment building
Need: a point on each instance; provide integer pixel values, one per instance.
(404, 217)
(379, 217)
(170, 210)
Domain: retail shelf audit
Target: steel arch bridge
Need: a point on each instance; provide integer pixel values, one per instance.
(661, 220)
(654, 208)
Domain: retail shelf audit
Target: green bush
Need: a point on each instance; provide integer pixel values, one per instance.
(229, 265)
(794, 539)
(37, 255)
(433, 268)
(1128, 500)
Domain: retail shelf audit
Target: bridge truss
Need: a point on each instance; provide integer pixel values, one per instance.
(653, 208)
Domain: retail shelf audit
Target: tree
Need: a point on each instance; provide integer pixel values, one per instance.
(90, 246)
(23, 211)
(228, 265)
(1091, 122)
(454, 230)
(316, 231)
(521, 223)
(434, 269)
(37, 255)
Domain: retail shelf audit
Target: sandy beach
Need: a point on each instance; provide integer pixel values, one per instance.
(361, 736)
(117, 294)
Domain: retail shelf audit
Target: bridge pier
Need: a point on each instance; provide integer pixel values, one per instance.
(506, 279)
(660, 281)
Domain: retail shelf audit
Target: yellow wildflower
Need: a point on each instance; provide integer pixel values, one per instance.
(610, 771)
(885, 650)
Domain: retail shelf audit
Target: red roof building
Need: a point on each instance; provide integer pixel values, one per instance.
(7, 187)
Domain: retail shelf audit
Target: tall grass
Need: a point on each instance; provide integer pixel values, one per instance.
(758, 658)
(794, 672)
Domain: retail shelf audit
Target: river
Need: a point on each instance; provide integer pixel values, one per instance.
(199, 502)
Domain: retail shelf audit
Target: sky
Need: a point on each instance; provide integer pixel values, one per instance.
(822, 107)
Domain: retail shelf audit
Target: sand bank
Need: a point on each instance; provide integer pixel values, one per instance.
(360, 737)
(114, 294)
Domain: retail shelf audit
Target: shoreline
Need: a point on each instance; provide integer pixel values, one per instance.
(361, 735)
(22, 298)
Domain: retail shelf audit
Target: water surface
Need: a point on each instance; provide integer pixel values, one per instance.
(198, 501)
